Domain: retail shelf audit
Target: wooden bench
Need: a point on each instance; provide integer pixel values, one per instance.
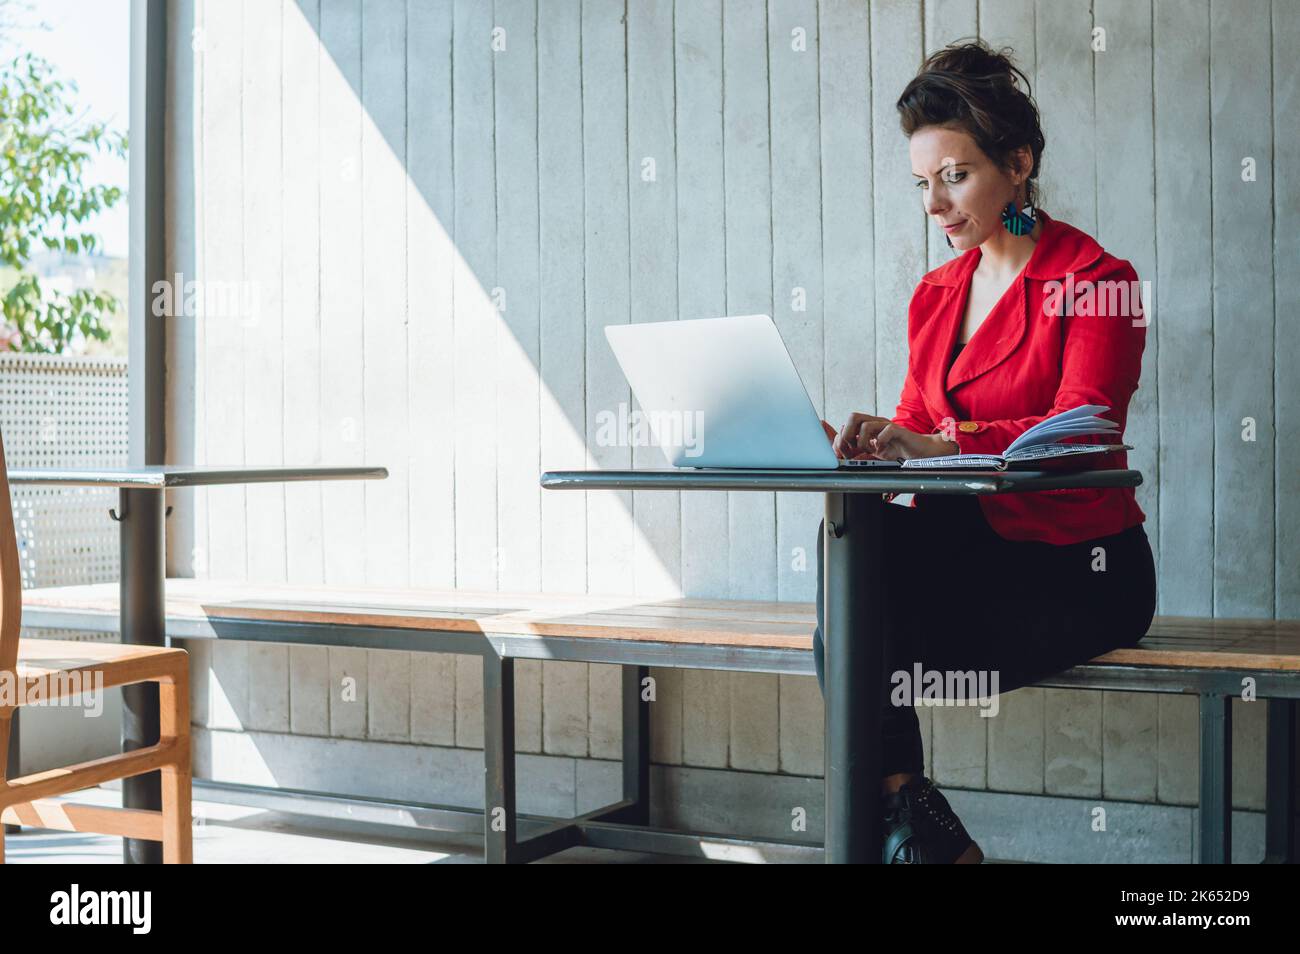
(1186, 655)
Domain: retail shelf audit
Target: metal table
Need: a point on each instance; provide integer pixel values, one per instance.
(140, 515)
(854, 595)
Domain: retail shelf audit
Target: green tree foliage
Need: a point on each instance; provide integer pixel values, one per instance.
(44, 204)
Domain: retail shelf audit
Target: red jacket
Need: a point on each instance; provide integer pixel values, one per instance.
(1064, 334)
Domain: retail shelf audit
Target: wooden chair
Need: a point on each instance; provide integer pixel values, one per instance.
(59, 668)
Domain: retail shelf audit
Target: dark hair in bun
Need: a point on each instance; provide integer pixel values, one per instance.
(967, 85)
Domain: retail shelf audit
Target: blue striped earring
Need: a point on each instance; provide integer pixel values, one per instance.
(1018, 221)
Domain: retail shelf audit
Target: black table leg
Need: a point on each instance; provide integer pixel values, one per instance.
(500, 823)
(1280, 784)
(855, 660)
(143, 620)
(1215, 813)
(636, 746)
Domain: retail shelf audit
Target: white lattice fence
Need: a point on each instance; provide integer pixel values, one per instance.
(62, 411)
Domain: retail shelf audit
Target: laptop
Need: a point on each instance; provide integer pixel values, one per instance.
(723, 392)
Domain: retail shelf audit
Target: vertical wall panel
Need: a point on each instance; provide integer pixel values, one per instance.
(1011, 23)
(430, 266)
(747, 180)
(1286, 306)
(385, 429)
(701, 251)
(476, 316)
(1126, 214)
(341, 398)
(900, 223)
(223, 267)
(1183, 318)
(299, 177)
(652, 226)
(263, 343)
(610, 533)
(1065, 97)
(1242, 207)
(798, 298)
(849, 375)
(563, 336)
(518, 346)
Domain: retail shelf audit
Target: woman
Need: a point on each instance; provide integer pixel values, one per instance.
(1031, 320)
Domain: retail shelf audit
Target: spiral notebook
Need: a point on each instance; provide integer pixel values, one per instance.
(1039, 443)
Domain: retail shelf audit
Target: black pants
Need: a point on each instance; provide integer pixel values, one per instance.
(961, 598)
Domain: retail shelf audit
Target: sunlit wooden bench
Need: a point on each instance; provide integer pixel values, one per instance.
(1186, 655)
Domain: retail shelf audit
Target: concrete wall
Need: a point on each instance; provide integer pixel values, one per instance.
(437, 207)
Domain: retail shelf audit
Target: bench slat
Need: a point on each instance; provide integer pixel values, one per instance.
(1175, 641)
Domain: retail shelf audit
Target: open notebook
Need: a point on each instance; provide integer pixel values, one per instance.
(1038, 443)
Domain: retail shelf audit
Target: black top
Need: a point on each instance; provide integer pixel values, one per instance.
(956, 350)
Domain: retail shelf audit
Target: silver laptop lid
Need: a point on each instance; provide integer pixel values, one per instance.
(721, 392)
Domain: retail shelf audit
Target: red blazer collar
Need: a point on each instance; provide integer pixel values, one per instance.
(1061, 248)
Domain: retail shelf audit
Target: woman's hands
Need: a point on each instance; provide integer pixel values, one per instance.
(865, 435)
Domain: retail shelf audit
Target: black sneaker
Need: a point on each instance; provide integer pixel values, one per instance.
(920, 828)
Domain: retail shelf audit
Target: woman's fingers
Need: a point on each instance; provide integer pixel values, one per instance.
(834, 437)
(868, 431)
(866, 435)
(882, 445)
(851, 438)
(895, 441)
